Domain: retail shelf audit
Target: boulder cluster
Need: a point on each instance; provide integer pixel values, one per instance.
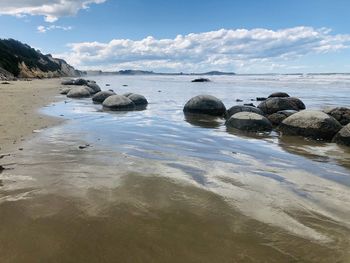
(287, 115)
(81, 88)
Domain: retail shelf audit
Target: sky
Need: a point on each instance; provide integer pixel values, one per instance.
(251, 36)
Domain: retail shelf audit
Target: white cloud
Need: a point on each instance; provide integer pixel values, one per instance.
(50, 9)
(238, 49)
(44, 29)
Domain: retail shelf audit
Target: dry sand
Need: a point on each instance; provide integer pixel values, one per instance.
(20, 102)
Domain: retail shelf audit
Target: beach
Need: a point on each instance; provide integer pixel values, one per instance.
(20, 102)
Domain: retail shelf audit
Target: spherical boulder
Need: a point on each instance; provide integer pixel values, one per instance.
(341, 114)
(118, 103)
(81, 82)
(78, 92)
(279, 95)
(100, 97)
(239, 108)
(205, 104)
(249, 121)
(277, 117)
(273, 105)
(138, 99)
(94, 87)
(343, 136)
(312, 124)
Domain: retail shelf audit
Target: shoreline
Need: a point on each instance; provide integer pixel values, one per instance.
(20, 102)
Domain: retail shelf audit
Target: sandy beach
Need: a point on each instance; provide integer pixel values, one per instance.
(20, 102)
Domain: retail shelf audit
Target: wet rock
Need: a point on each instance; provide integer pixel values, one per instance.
(239, 108)
(118, 103)
(100, 97)
(65, 91)
(78, 92)
(201, 80)
(249, 121)
(107, 85)
(260, 99)
(312, 124)
(273, 105)
(341, 114)
(249, 104)
(95, 88)
(343, 136)
(138, 99)
(279, 95)
(205, 104)
(81, 82)
(278, 117)
(239, 100)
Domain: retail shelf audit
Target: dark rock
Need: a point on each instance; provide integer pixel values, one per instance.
(205, 104)
(273, 105)
(260, 99)
(277, 117)
(341, 114)
(96, 88)
(107, 85)
(239, 108)
(138, 99)
(312, 124)
(343, 136)
(239, 100)
(127, 94)
(100, 97)
(5, 83)
(249, 104)
(118, 103)
(279, 95)
(80, 82)
(201, 80)
(78, 92)
(249, 121)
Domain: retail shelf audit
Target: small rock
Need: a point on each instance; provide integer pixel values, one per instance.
(343, 136)
(201, 80)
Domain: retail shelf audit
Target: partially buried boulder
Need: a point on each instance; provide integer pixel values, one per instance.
(312, 124)
(68, 82)
(279, 95)
(249, 121)
(277, 117)
(78, 92)
(138, 99)
(65, 91)
(343, 136)
(239, 108)
(273, 105)
(118, 103)
(205, 104)
(100, 97)
(341, 114)
(80, 82)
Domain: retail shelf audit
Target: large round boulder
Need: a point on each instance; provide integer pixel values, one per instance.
(205, 104)
(242, 108)
(100, 97)
(78, 92)
(249, 121)
(343, 136)
(81, 82)
(341, 114)
(138, 99)
(312, 124)
(277, 117)
(118, 103)
(279, 95)
(94, 87)
(273, 105)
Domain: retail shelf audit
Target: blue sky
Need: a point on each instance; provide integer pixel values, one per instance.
(258, 36)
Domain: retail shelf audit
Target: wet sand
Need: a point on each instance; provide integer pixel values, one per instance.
(19, 105)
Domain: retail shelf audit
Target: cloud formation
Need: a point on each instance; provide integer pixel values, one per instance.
(44, 29)
(50, 9)
(222, 49)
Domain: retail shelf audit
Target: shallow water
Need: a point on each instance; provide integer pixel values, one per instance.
(154, 186)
